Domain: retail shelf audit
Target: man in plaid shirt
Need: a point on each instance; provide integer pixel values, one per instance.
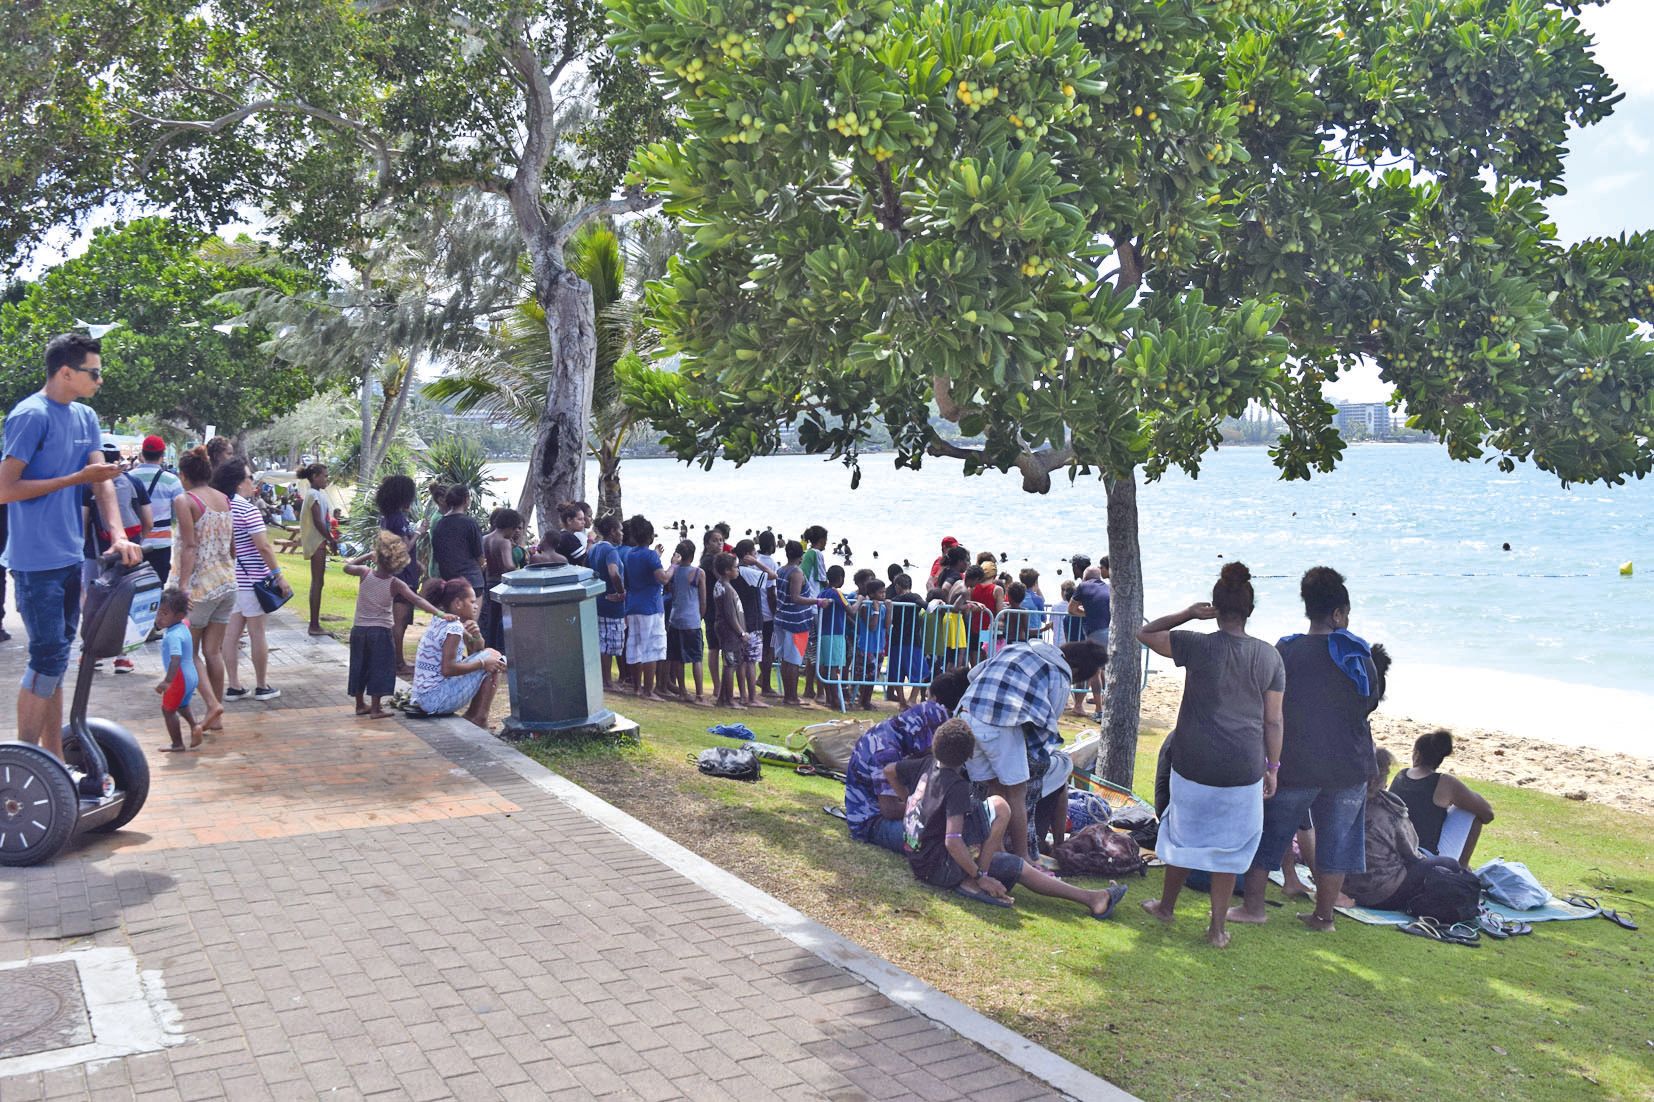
(1013, 704)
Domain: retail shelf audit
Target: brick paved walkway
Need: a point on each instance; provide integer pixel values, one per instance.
(348, 909)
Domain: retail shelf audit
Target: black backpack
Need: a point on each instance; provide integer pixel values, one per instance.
(738, 763)
(1447, 895)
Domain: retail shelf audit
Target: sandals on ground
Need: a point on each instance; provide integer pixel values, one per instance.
(1498, 927)
(1590, 903)
(1460, 933)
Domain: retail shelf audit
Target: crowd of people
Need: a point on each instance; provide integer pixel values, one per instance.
(1271, 761)
(1271, 758)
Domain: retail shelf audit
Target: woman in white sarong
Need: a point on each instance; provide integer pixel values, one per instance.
(1225, 748)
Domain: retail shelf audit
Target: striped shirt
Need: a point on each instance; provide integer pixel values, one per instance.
(249, 522)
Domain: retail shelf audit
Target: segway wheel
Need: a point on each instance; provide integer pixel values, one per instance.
(126, 763)
(38, 805)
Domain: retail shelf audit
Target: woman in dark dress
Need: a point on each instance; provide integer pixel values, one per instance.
(395, 501)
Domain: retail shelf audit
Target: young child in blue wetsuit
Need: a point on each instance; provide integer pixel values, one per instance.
(178, 677)
(831, 652)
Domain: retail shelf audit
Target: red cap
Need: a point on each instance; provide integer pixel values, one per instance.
(949, 541)
(154, 445)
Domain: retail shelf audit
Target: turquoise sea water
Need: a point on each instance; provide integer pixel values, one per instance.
(1546, 639)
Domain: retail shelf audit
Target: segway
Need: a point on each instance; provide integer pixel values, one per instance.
(103, 779)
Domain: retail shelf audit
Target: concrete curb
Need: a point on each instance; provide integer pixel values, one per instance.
(898, 986)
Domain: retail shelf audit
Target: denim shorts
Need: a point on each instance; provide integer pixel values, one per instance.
(1340, 817)
(49, 603)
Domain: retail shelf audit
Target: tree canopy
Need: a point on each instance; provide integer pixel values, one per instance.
(1090, 231)
(175, 355)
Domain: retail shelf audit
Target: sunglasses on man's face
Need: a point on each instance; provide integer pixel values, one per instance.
(95, 372)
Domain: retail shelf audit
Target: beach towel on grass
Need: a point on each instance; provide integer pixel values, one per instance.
(1555, 910)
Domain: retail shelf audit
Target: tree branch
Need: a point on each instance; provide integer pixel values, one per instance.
(634, 200)
(1036, 467)
(891, 215)
(176, 127)
(1131, 260)
(540, 129)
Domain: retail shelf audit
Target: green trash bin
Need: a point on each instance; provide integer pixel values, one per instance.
(552, 669)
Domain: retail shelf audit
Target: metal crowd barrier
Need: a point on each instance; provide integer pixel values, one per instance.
(903, 645)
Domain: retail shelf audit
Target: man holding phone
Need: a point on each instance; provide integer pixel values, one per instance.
(53, 446)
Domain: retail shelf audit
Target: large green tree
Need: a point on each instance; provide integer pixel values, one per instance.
(1087, 232)
(320, 113)
(174, 353)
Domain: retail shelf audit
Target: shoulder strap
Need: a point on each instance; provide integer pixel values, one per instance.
(159, 471)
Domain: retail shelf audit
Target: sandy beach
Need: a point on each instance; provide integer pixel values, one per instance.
(1575, 772)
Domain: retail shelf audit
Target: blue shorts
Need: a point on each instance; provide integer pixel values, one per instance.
(1340, 817)
(49, 603)
(907, 664)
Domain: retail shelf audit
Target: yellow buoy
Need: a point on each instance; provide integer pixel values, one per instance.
(1625, 569)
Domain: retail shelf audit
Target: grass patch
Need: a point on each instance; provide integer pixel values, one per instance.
(1365, 1013)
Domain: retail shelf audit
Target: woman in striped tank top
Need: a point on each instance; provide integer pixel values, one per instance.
(254, 558)
(204, 567)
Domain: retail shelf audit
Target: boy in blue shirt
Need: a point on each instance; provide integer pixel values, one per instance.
(831, 652)
(53, 447)
(178, 675)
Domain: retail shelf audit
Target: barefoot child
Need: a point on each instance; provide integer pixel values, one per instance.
(943, 821)
(831, 652)
(372, 651)
(872, 617)
(730, 620)
(684, 616)
(178, 676)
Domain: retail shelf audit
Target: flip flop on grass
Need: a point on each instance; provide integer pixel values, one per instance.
(1116, 892)
(983, 897)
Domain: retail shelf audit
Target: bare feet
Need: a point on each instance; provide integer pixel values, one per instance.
(175, 748)
(319, 631)
(1241, 914)
(377, 715)
(1153, 907)
(757, 704)
(214, 719)
(195, 737)
(1317, 923)
(655, 696)
(362, 711)
(1218, 939)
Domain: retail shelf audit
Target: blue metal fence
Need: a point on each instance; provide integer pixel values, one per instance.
(900, 644)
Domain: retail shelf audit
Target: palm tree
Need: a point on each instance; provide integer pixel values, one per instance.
(509, 381)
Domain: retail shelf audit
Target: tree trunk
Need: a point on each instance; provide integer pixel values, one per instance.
(364, 452)
(385, 432)
(1123, 704)
(558, 470)
(608, 478)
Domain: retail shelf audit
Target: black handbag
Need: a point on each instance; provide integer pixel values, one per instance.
(270, 597)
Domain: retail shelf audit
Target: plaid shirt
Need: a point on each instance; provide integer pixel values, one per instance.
(1024, 683)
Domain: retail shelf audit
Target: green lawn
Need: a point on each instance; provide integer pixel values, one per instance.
(1364, 1013)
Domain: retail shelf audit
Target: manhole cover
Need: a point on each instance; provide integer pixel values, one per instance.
(42, 1008)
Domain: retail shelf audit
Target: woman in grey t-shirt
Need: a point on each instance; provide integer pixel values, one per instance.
(1226, 745)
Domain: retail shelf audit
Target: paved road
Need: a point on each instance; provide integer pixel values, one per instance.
(343, 908)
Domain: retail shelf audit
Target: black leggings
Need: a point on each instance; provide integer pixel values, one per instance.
(1403, 896)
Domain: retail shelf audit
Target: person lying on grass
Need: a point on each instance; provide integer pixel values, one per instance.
(944, 821)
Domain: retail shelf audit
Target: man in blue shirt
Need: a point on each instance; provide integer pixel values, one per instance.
(52, 447)
(1095, 597)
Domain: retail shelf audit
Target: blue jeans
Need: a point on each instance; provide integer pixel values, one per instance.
(48, 601)
(1340, 817)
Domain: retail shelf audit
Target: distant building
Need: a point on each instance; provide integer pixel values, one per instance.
(1367, 420)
